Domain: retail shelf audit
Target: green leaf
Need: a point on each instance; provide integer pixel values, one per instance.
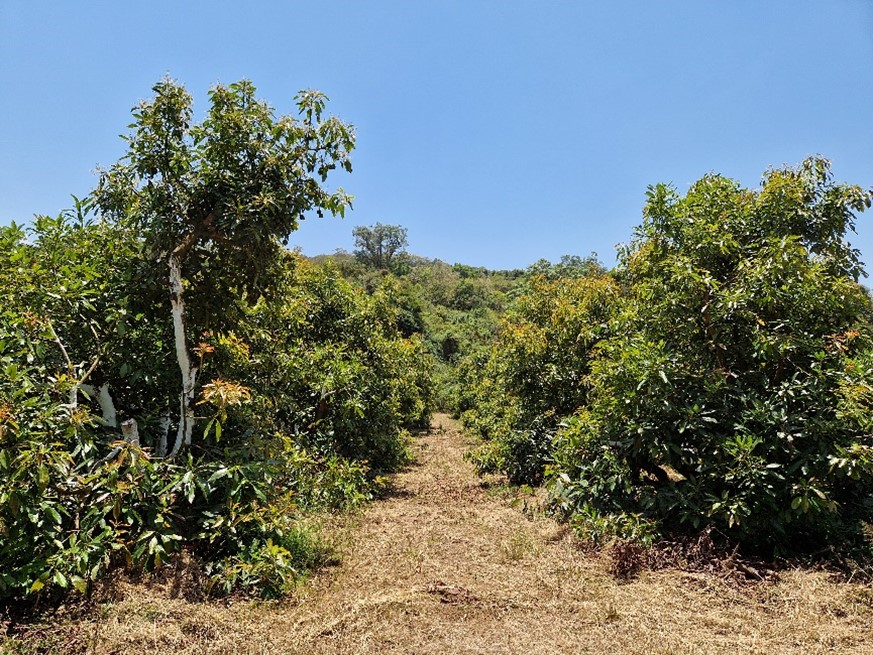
(51, 511)
(43, 476)
(79, 584)
(220, 473)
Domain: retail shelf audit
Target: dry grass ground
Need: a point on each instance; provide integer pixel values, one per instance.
(445, 565)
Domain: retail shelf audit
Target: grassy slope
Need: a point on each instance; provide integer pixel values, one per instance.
(444, 565)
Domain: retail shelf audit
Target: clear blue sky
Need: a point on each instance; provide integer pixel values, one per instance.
(497, 132)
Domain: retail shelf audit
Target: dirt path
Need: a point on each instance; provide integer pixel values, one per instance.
(446, 566)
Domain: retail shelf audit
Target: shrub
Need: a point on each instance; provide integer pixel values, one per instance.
(330, 386)
(331, 368)
(536, 373)
(733, 389)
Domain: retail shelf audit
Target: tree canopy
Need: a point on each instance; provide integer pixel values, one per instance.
(725, 383)
(722, 397)
(213, 201)
(379, 245)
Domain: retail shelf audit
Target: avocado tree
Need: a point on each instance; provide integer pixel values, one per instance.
(213, 202)
(734, 390)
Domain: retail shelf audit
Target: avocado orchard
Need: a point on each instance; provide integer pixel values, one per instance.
(721, 377)
(295, 387)
(731, 385)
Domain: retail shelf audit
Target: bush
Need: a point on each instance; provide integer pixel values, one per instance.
(330, 387)
(733, 389)
(536, 373)
(331, 368)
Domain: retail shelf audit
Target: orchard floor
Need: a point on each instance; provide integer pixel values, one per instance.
(447, 564)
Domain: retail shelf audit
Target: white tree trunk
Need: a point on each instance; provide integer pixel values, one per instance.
(186, 368)
(104, 398)
(110, 416)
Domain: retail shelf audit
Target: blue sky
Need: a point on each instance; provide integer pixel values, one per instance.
(497, 132)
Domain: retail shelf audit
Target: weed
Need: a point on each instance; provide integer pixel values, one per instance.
(519, 546)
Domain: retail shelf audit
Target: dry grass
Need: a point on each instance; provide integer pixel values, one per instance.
(444, 566)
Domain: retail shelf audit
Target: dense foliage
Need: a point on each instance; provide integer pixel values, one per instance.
(721, 377)
(304, 385)
(535, 373)
(211, 202)
(455, 309)
(726, 385)
(332, 366)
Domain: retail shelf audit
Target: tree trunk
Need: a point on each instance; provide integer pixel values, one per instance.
(104, 399)
(186, 367)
